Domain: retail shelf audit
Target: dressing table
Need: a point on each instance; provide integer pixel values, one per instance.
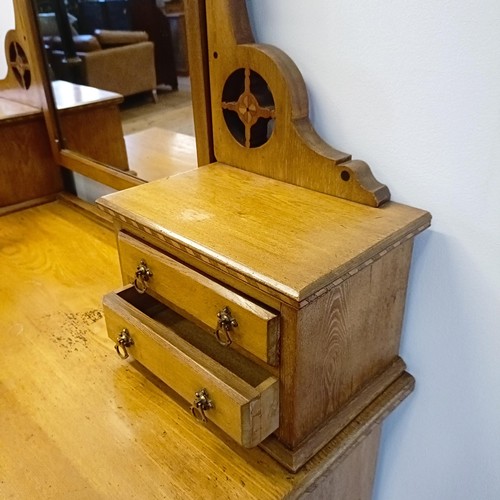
(267, 288)
(254, 343)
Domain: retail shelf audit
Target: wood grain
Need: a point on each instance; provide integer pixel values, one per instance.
(283, 237)
(344, 340)
(92, 426)
(155, 153)
(160, 346)
(196, 31)
(27, 168)
(293, 151)
(78, 108)
(200, 298)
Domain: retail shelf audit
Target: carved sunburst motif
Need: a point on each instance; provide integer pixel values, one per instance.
(246, 95)
(19, 63)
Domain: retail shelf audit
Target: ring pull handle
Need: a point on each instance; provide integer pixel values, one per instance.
(142, 275)
(123, 341)
(201, 404)
(225, 323)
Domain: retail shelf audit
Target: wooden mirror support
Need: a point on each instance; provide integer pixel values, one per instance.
(259, 104)
(28, 169)
(267, 288)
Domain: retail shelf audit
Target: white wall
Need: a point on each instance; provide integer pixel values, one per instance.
(413, 88)
(7, 22)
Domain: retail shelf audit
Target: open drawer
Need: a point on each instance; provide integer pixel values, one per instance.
(213, 306)
(220, 384)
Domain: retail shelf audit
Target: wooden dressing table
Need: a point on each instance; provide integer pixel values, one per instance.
(267, 288)
(256, 334)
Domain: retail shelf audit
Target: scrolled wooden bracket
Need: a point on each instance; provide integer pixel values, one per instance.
(261, 114)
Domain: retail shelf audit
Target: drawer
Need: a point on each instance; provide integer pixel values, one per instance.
(201, 299)
(221, 385)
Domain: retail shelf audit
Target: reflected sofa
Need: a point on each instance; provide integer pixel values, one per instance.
(118, 61)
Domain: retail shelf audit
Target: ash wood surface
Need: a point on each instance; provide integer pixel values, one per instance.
(155, 153)
(352, 333)
(69, 95)
(260, 114)
(159, 346)
(77, 422)
(82, 110)
(196, 34)
(201, 298)
(285, 237)
(27, 167)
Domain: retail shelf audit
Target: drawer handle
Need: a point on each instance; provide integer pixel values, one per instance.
(123, 341)
(201, 404)
(225, 323)
(142, 275)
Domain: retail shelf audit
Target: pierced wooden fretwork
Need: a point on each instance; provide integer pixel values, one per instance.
(18, 61)
(267, 131)
(248, 106)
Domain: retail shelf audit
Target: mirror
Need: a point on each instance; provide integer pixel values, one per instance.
(7, 22)
(121, 85)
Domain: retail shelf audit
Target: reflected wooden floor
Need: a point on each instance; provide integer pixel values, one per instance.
(159, 137)
(155, 153)
(77, 422)
(173, 111)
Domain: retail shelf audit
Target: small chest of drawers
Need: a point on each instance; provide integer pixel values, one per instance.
(275, 312)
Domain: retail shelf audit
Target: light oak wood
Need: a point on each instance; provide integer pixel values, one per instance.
(155, 153)
(321, 243)
(288, 240)
(200, 298)
(196, 24)
(164, 344)
(109, 176)
(93, 426)
(253, 86)
(81, 110)
(326, 260)
(27, 167)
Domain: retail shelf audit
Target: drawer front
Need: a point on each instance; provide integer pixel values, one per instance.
(244, 403)
(200, 299)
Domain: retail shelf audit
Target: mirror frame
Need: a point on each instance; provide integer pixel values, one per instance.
(195, 12)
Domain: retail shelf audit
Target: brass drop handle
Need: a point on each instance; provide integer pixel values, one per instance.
(123, 341)
(201, 404)
(225, 323)
(142, 275)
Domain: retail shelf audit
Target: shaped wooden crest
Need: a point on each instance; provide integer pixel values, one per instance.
(260, 114)
(24, 58)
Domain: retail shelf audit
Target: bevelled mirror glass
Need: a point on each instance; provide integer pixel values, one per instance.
(120, 81)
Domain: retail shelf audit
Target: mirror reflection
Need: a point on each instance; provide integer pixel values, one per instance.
(120, 81)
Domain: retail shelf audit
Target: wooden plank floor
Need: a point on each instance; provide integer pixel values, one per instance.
(77, 422)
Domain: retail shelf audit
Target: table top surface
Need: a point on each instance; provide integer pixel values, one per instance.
(291, 239)
(69, 95)
(13, 110)
(76, 421)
